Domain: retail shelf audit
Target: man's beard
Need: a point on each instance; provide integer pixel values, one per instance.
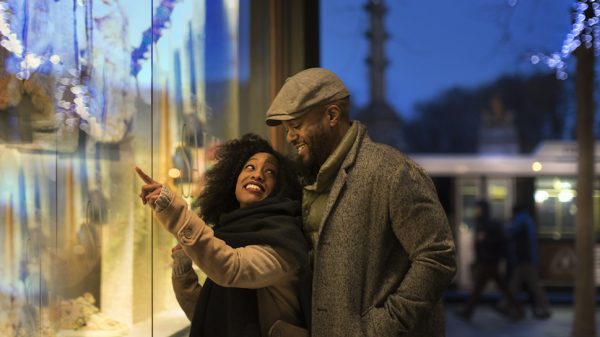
(308, 171)
(316, 156)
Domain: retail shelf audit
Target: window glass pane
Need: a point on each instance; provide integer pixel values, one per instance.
(89, 89)
(555, 200)
(453, 77)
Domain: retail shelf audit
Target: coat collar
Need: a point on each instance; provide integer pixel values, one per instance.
(340, 180)
(330, 168)
(361, 134)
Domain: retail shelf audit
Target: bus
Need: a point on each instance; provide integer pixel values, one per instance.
(544, 181)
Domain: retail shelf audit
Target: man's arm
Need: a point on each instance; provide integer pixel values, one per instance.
(421, 226)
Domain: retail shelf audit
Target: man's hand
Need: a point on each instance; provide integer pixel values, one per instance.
(150, 190)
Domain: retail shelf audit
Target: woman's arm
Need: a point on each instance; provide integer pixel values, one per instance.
(185, 282)
(254, 266)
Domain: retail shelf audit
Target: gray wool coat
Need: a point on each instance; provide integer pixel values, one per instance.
(385, 253)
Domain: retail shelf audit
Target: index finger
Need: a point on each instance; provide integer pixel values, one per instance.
(144, 176)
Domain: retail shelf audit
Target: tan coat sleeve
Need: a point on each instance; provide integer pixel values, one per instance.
(185, 283)
(253, 267)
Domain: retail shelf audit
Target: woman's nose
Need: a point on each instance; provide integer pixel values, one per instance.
(257, 175)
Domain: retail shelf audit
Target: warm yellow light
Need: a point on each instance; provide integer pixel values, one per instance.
(566, 196)
(556, 184)
(541, 196)
(536, 166)
(498, 192)
(174, 173)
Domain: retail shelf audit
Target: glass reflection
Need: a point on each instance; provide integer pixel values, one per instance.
(88, 90)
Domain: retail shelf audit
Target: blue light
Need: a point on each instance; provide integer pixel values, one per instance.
(583, 30)
(535, 59)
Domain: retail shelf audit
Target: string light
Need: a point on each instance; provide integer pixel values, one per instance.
(9, 41)
(151, 35)
(72, 95)
(584, 30)
(27, 63)
(74, 107)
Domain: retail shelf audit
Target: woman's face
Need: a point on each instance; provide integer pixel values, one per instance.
(257, 179)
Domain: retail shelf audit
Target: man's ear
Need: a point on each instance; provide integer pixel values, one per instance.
(333, 115)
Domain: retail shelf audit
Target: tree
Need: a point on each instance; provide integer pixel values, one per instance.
(455, 116)
(584, 323)
(446, 124)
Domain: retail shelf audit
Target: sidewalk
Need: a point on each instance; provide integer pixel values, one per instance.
(488, 323)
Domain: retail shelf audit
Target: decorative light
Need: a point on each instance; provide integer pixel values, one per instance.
(535, 59)
(55, 59)
(72, 113)
(77, 111)
(536, 166)
(11, 42)
(174, 173)
(152, 34)
(586, 31)
(31, 61)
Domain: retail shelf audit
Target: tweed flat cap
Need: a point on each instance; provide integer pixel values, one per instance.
(306, 89)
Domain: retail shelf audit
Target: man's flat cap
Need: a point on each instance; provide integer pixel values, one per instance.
(306, 89)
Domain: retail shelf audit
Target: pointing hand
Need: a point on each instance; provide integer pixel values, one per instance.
(150, 190)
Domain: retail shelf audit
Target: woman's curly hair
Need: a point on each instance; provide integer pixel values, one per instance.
(218, 196)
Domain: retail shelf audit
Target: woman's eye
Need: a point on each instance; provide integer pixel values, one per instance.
(249, 167)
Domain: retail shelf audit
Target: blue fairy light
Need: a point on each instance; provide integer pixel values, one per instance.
(584, 31)
(151, 35)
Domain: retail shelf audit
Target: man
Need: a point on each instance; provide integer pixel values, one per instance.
(382, 250)
(522, 232)
(490, 252)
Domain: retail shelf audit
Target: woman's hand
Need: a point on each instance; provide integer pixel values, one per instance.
(150, 190)
(176, 248)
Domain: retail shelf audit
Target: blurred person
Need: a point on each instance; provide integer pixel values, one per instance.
(381, 247)
(523, 251)
(490, 251)
(248, 241)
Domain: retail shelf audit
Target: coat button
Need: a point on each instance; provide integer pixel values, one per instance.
(187, 233)
(321, 309)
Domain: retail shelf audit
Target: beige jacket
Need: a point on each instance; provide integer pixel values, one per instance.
(260, 267)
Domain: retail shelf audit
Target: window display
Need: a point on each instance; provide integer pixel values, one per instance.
(89, 89)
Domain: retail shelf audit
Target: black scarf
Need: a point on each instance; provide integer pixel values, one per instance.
(233, 312)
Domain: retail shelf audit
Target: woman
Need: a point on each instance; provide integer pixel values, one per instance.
(255, 255)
